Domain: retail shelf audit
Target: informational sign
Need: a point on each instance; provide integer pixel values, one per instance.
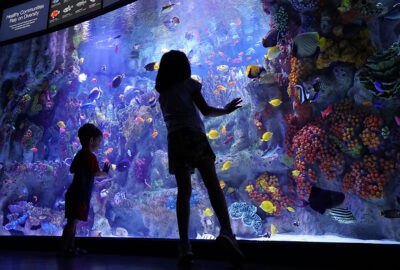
(109, 2)
(24, 19)
(65, 10)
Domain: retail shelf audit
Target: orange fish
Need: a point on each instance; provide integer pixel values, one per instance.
(155, 133)
(231, 83)
(94, 80)
(367, 103)
(213, 53)
(237, 60)
(248, 58)
(327, 111)
(221, 87)
(210, 63)
(216, 77)
(258, 124)
(140, 119)
(223, 131)
(109, 150)
(35, 197)
(241, 53)
(235, 42)
(215, 92)
(106, 135)
(34, 149)
(221, 53)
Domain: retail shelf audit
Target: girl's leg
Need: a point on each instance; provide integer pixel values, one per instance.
(183, 203)
(217, 198)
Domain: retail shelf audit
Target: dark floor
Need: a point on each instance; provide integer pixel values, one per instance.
(46, 260)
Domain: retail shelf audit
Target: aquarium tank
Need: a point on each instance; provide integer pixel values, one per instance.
(312, 155)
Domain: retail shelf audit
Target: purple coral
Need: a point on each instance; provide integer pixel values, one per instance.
(141, 170)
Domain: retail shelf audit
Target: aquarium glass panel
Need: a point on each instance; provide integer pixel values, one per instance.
(312, 154)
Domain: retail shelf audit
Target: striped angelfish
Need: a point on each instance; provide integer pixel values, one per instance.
(341, 215)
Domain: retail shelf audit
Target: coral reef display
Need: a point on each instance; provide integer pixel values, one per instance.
(319, 82)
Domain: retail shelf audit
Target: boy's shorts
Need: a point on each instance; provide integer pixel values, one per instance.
(186, 148)
(75, 209)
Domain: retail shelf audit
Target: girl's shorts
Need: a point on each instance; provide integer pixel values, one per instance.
(186, 148)
(76, 209)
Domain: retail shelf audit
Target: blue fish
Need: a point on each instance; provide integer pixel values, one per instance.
(378, 85)
(95, 93)
(378, 105)
(87, 106)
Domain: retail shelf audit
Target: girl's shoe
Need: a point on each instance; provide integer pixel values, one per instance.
(185, 255)
(228, 241)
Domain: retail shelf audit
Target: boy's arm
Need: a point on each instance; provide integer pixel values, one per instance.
(207, 110)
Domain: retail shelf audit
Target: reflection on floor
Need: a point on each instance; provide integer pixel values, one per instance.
(35, 260)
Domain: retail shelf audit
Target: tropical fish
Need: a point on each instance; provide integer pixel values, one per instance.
(393, 213)
(221, 87)
(222, 68)
(254, 71)
(228, 139)
(175, 20)
(87, 106)
(272, 189)
(268, 207)
(82, 77)
(152, 66)
(196, 78)
(94, 80)
(377, 105)
(378, 86)
(54, 14)
(250, 51)
(61, 124)
(168, 8)
(290, 209)
(295, 172)
(341, 215)
(75, 144)
(249, 188)
(237, 60)
(106, 135)
(113, 166)
(81, 60)
(271, 39)
(117, 80)
(275, 102)
(230, 190)
(320, 199)
(272, 53)
(226, 165)
(367, 103)
(116, 49)
(139, 119)
(248, 58)
(222, 184)
(109, 150)
(267, 136)
(104, 68)
(213, 134)
(221, 53)
(68, 161)
(215, 92)
(231, 83)
(397, 119)
(327, 111)
(35, 198)
(296, 223)
(149, 120)
(274, 231)
(223, 131)
(207, 212)
(94, 94)
(34, 149)
(306, 44)
(155, 133)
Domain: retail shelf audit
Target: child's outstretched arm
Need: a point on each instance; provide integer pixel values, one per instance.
(207, 110)
(103, 173)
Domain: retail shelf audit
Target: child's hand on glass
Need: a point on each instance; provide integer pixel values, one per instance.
(106, 167)
(233, 105)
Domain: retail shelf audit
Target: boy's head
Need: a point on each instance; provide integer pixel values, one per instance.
(90, 137)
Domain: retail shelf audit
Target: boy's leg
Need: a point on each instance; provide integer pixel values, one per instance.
(68, 235)
(217, 198)
(183, 203)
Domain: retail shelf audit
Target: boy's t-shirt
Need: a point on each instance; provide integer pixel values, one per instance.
(84, 166)
(178, 108)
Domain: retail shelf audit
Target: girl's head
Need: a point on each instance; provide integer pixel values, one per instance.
(174, 67)
(90, 137)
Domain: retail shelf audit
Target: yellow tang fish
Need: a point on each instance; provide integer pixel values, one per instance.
(222, 184)
(295, 172)
(61, 124)
(275, 102)
(113, 166)
(272, 53)
(267, 136)
(230, 190)
(226, 165)
(208, 212)
(274, 231)
(213, 134)
(272, 189)
(81, 60)
(249, 188)
(149, 120)
(268, 207)
(290, 209)
(222, 68)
